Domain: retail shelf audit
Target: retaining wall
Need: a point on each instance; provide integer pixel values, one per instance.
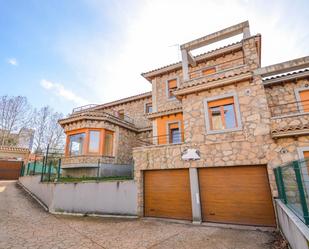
(293, 229)
(109, 197)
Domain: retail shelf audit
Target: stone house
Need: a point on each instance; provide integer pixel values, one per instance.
(226, 124)
(208, 134)
(104, 136)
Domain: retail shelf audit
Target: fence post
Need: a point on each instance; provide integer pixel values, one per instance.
(43, 169)
(98, 170)
(49, 170)
(301, 191)
(34, 166)
(280, 184)
(22, 169)
(58, 169)
(28, 167)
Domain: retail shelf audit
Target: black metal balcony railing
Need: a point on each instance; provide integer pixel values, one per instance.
(83, 108)
(176, 138)
(289, 108)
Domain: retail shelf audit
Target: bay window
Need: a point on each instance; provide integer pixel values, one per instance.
(90, 142)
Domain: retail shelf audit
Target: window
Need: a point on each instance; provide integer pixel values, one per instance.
(76, 144)
(94, 141)
(121, 114)
(148, 108)
(108, 143)
(171, 87)
(222, 114)
(304, 99)
(209, 71)
(174, 133)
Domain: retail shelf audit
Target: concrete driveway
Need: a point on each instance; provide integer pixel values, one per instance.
(24, 224)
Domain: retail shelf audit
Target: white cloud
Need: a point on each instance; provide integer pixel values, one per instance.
(61, 91)
(12, 61)
(108, 64)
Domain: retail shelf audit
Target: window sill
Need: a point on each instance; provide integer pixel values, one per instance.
(211, 132)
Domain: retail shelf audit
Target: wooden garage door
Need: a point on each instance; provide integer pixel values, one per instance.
(239, 195)
(10, 170)
(167, 194)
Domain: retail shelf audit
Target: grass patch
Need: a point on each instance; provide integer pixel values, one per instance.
(93, 178)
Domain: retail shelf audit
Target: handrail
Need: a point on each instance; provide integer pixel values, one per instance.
(289, 108)
(84, 107)
(114, 114)
(161, 139)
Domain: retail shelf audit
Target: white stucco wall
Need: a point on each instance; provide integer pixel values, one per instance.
(110, 197)
(44, 192)
(293, 229)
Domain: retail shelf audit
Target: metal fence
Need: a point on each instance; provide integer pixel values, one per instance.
(48, 166)
(293, 187)
(289, 108)
(176, 138)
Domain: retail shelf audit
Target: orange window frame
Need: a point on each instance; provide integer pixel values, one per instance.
(100, 142)
(112, 143)
(220, 104)
(172, 126)
(304, 98)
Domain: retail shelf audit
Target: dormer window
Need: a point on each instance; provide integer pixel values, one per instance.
(171, 87)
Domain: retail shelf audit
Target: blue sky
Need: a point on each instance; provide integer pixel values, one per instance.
(68, 53)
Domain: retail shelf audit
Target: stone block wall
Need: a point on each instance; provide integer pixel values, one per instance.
(281, 97)
(133, 109)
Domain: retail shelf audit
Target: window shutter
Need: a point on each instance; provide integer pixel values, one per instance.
(221, 102)
(172, 84)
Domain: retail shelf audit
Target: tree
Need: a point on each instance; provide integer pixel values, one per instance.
(15, 114)
(47, 130)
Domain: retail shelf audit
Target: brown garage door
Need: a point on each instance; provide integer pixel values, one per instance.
(167, 194)
(239, 195)
(9, 170)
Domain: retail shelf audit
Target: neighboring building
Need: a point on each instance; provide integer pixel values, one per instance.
(22, 139)
(219, 127)
(11, 161)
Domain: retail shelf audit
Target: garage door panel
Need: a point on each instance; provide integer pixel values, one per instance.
(167, 194)
(9, 170)
(239, 195)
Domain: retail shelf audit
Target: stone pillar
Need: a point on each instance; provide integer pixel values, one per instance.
(185, 67)
(195, 196)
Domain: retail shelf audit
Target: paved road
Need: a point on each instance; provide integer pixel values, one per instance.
(24, 224)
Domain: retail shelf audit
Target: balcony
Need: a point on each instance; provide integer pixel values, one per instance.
(167, 139)
(290, 119)
(217, 79)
